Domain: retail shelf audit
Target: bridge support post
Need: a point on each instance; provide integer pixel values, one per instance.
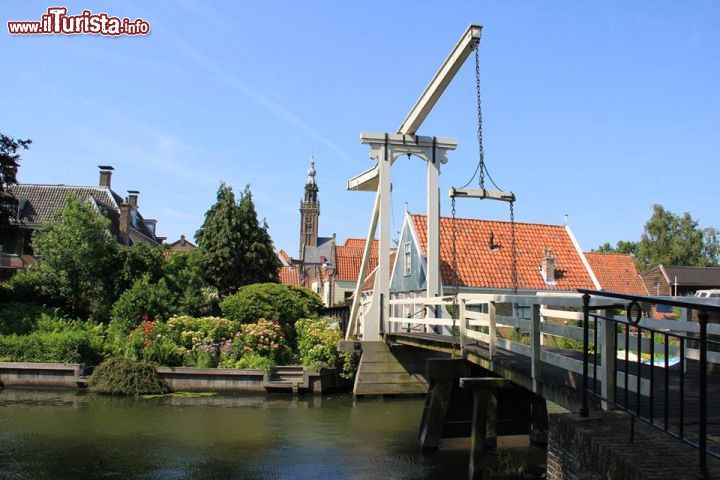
(442, 375)
(539, 420)
(483, 390)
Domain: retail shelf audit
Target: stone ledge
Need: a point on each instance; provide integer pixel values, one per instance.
(599, 447)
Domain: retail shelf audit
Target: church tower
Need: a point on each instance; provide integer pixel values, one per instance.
(309, 212)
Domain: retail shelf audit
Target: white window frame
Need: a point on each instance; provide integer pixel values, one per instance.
(407, 259)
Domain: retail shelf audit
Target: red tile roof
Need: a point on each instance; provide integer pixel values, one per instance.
(283, 254)
(348, 262)
(479, 266)
(289, 276)
(616, 272)
(360, 243)
(369, 283)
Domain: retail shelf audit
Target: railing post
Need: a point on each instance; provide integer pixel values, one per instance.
(702, 420)
(535, 345)
(688, 318)
(463, 326)
(608, 354)
(586, 326)
(492, 331)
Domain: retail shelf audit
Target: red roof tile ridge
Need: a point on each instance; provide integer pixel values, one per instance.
(483, 220)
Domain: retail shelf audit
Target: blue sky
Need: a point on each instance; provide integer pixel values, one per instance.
(594, 109)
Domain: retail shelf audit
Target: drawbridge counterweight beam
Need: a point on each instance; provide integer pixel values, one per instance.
(482, 194)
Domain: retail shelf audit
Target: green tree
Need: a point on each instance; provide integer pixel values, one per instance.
(235, 249)
(622, 246)
(9, 163)
(77, 254)
(137, 260)
(144, 299)
(671, 239)
(260, 262)
(182, 274)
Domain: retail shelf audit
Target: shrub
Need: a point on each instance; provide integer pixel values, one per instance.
(189, 331)
(150, 342)
(203, 338)
(144, 299)
(264, 338)
(72, 346)
(20, 318)
(254, 360)
(122, 376)
(286, 303)
(317, 344)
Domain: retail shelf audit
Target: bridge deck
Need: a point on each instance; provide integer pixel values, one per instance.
(564, 387)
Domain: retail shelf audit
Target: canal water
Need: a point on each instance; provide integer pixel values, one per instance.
(52, 434)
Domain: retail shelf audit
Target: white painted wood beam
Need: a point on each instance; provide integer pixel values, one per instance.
(441, 80)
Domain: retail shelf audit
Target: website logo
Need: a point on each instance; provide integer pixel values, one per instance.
(56, 21)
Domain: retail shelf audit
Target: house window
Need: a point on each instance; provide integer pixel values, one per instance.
(11, 241)
(656, 281)
(407, 260)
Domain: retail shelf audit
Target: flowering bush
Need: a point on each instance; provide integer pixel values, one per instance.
(317, 340)
(203, 338)
(264, 338)
(150, 341)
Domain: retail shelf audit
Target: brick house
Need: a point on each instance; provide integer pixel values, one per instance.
(667, 280)
(38, 204)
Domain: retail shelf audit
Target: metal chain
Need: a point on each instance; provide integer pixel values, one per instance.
(481, 150)
(513, 248)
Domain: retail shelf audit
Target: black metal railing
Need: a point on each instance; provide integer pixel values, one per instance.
(670, 391)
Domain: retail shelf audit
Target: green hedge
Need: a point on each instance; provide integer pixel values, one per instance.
(68, 346)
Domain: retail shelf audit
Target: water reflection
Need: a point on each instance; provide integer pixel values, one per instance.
(70, 434)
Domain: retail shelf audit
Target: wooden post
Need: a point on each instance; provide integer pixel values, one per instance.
(483, 413)
(478, 432)
(492, 330)
(539, 422)
(436, 405)
(443, 374)
(463, 326)
(607, 341)
(535, 345)
(491, 421)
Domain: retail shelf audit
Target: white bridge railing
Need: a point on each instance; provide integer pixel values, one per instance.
(546, 328)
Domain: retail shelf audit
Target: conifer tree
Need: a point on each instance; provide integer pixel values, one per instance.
(235, 250)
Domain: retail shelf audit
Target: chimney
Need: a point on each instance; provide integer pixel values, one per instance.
(133, 197)
(105, 175)
(547, 268)
(183, 242)
(124, 226)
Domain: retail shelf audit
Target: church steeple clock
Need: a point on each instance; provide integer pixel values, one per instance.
(309, 212)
